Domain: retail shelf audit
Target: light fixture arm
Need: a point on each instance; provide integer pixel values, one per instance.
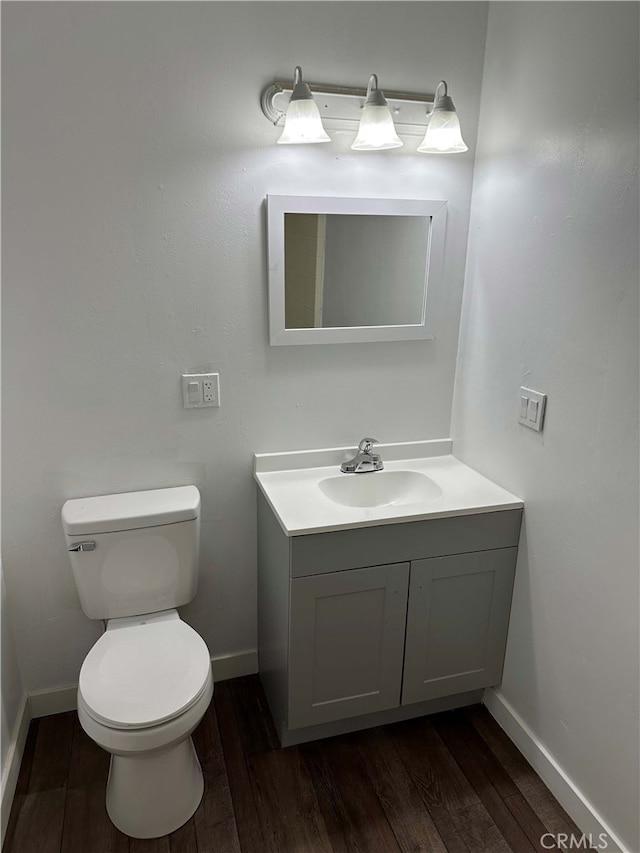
(442, 100)
(375, 98)
(301, 91)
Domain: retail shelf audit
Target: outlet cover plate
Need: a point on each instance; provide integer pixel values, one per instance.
(200, 390)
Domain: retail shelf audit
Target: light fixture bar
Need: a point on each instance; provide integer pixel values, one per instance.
(341, 106)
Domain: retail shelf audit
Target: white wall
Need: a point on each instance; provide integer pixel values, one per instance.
(12, 697)
(12, 689)
(136, 163)
(551, 302)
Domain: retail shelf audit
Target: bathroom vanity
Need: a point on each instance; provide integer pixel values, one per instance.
(384, 598)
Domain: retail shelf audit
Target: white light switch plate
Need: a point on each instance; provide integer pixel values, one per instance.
(531, 407)
(200, 390)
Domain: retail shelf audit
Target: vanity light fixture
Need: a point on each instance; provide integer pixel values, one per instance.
(302, 123)
(307, 117)
(443, 134)
(377, 130)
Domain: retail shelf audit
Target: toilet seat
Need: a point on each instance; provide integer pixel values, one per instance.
(144, 674)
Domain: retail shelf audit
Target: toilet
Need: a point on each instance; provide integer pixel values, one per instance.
(146, 683)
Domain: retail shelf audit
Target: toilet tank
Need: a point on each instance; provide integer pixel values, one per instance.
(134, 553)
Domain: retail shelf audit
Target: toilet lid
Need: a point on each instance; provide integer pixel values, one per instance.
(144, 674)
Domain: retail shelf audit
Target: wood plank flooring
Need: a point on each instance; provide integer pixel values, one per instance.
(447, 783)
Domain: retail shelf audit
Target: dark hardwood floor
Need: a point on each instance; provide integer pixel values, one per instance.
(449, 782)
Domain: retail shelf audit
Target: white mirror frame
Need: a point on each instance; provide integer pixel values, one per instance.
(278, 205)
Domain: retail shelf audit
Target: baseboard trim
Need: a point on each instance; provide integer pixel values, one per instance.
(559, 783)
(234, 665)
(12, 762)
(43, 703)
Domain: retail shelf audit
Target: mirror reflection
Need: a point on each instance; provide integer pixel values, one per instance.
(345, 270)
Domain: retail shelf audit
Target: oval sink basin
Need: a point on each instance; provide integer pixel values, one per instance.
(380, 488)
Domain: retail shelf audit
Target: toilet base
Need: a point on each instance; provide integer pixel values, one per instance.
(149, 795)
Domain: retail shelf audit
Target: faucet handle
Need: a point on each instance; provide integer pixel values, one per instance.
(366, 444)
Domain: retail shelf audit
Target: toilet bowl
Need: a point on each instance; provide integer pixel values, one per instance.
(144, 687)
(146, 683)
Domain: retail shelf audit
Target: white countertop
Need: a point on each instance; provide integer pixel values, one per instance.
(290, 484)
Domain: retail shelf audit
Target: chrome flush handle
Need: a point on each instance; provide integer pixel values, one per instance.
(83, 546)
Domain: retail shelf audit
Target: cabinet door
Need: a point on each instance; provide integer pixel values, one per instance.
(346, 638)
(457, 623)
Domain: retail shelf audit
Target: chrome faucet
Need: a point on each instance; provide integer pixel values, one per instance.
(364, 460)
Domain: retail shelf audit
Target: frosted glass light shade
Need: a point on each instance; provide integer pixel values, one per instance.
(376, 131)
(302, 124)
(443, 135)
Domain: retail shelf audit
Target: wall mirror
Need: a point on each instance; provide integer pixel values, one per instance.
(344, 270)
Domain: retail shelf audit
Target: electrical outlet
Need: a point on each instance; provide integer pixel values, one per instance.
(200, 390)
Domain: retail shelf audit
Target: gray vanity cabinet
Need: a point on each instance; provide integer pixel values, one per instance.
(366, 626)
(457, 620)
(346, 641)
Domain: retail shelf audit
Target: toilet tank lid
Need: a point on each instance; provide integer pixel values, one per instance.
(111, 513)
